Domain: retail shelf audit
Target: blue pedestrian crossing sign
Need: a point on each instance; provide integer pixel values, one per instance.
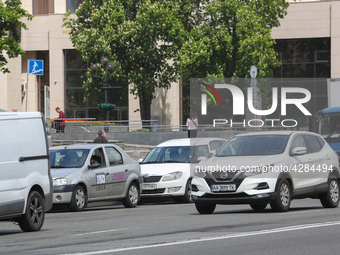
(36, 67)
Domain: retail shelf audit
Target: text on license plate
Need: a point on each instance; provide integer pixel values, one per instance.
(226, 187)
(149, 186)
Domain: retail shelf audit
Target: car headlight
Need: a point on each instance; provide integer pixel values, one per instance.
(172, 176)
(256, 170)
(59, 182)
(199, 173)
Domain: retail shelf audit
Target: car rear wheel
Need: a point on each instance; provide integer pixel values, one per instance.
(78, 200)
(205, 208)
(258, 207)
(34, 217)
(330, 199)
(132, 196)
(283, 197)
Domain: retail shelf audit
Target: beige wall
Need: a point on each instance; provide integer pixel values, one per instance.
(335, 40)
(313, 19)
(166, 105)
(134, 117)
(10, 86)
(59, 6)
(47, 34)
(305, 19)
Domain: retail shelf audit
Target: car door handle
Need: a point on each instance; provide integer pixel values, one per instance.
(107, 173)
(126, 170)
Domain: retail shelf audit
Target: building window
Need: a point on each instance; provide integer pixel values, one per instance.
(43, 7)
(303, 58)
(72, 5)
(76, 106)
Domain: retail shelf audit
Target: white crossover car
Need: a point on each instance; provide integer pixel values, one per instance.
(166, 169)
(94, 172)
(264, 168)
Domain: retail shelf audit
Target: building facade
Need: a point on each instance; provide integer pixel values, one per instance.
(307, 43)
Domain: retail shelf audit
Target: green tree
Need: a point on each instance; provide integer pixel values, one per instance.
(234, 35)
(10, 25)
(139, 37)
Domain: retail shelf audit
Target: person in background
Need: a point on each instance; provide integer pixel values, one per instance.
(192, 124)
(14, 110)
(101, 138)
(61, 120)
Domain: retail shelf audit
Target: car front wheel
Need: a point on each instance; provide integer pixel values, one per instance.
(330, 199)
(205, 208)
(78, 200)
(187, 196)
(132, 196)
(34, 217)
(283, 197)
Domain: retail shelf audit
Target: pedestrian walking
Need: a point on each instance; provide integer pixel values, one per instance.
(60, 120)
(192, 124)
(101, 138)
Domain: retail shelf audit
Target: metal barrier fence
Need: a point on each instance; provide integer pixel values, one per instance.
(89, 125)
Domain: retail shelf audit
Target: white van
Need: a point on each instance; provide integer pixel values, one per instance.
(26, 186)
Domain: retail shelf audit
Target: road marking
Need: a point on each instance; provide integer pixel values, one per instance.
(309, 211)
(103, 231)
(161, 218)
(251, 233)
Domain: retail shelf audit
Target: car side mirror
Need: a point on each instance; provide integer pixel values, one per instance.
(140, 160)
(299, 151)
(201, 158)
(94, 165)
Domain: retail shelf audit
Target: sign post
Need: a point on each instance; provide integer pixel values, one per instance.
(156, 122)
(253, 83)
(47, 102)
(35, 67)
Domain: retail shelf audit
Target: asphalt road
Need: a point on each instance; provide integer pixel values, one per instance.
(170, 228)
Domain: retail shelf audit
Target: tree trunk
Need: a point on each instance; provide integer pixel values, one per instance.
(145, 108)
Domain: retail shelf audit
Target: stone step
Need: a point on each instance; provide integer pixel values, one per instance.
(138, 147)
(137, 154)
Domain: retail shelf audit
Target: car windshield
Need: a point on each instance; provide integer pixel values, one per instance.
(254, 145)
(329, 127)
(173, 154)
(68, 158)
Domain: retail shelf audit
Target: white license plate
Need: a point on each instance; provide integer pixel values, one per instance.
(149, 186)
(226, 187)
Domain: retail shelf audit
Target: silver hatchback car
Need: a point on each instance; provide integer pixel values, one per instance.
(94, 172)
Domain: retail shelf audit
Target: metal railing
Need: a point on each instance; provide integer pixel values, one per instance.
(90, 125)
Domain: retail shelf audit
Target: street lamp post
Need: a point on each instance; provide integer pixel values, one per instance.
(108, 69)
